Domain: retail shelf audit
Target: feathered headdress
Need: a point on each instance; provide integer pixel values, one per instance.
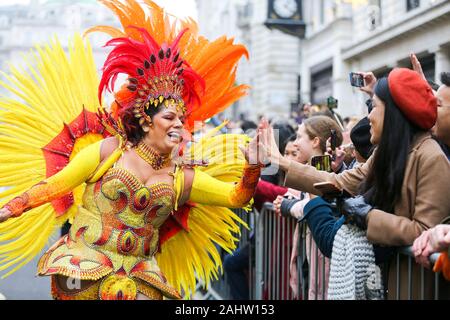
(156, 74)
(188, 68)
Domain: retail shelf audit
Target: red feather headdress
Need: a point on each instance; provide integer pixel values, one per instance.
(209, 67)
(156, 75)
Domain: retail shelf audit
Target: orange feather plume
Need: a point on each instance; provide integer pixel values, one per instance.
(214, 61)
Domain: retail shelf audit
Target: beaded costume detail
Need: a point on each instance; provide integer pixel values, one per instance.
(124, 239)
(150, 156)
(115, 236)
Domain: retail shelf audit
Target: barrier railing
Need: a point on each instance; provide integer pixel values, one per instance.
(429, 282)
(220, 289)
(269, 261)
(416, 282)
(273, 246)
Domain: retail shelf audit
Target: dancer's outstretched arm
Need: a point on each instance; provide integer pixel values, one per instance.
(80, 168)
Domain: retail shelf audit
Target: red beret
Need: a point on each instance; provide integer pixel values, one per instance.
(414, 96)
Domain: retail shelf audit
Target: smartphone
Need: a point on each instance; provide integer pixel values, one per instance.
(322, 163)
(333, 140)
(356, 80)
(328, 189)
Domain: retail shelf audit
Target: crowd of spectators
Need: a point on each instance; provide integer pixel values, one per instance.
(386, 187)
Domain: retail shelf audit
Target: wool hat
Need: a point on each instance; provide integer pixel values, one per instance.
(360, 136)
(414, 97)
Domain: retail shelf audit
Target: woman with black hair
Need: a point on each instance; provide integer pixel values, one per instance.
(399, 191)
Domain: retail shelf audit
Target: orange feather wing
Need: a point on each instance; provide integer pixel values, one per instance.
(215, 61)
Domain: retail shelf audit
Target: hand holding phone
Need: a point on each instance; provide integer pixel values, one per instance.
(356, 80)
(333, 141)
(322, 163)
(369, 81)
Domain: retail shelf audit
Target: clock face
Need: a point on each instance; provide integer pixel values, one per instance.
(285, 8)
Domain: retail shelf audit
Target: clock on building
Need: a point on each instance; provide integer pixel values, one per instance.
(286, 16)
(285, 8)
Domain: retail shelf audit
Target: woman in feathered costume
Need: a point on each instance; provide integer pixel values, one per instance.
(144, 222)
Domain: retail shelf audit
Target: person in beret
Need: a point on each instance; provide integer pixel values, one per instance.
(402, 189)
(360, 137)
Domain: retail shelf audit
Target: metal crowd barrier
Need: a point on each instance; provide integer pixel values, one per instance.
(426, 275)
(268, 266)
(305, 272)
(220, 290)
(274, 236)
(273, 246)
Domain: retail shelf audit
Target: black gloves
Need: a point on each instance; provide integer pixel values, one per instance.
(356, 210)
(286, 206)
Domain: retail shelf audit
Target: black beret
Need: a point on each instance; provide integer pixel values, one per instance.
(360, 136)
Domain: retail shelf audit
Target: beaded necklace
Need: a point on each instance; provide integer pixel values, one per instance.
(151, 156)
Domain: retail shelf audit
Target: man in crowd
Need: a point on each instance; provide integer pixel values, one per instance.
(438, 238)
(442, 128)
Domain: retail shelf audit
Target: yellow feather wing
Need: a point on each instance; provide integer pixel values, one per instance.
(194, 253)
(50, 91)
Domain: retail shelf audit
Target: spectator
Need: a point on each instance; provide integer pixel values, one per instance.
(291, 150)
(248, 125)
(348, 128)
(442, 127)
(323, 224)
(433, 240)
(236, 270)
(236, 265)
(399, 185)
(349, 151)
(437, 238)
(306, 110)
(360, 137)
(312, 136)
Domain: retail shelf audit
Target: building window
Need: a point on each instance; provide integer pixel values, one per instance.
(373, 14)
(412, 4)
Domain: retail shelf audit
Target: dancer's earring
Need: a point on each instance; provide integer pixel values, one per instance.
(145, 125)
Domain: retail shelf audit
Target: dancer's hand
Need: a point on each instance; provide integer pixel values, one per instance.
(5, 214)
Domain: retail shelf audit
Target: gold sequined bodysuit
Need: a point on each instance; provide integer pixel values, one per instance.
(115, 236)
(112, 250)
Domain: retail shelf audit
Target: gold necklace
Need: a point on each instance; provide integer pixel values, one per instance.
(151, 156)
